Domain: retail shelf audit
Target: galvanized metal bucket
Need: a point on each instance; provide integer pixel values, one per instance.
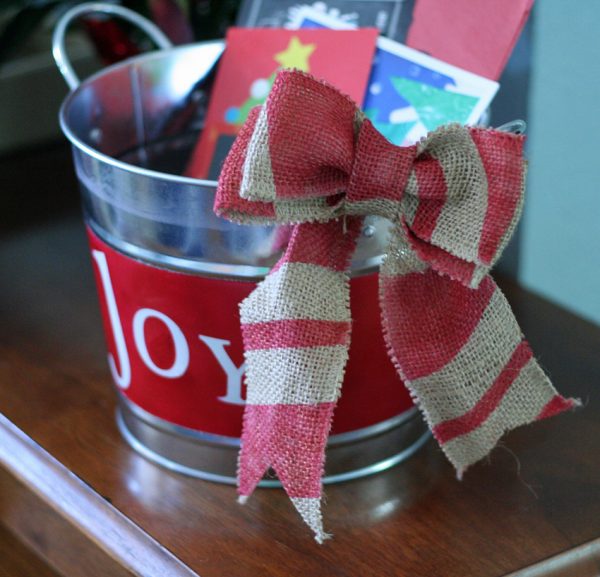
(154, 238)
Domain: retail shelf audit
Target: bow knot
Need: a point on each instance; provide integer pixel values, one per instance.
(380, 173)
(308, 157)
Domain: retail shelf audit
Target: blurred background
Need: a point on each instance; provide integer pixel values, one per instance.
(552, 81)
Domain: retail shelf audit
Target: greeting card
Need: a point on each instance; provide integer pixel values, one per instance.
(391, 17)
(247, 70)
(478, 36)
(410, 93)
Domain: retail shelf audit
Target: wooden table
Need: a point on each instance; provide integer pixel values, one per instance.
(74, 492)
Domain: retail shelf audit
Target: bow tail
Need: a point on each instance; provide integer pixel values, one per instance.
(462, 355)
(296, 332)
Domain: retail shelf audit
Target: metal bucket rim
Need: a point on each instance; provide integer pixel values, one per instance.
(105, 158)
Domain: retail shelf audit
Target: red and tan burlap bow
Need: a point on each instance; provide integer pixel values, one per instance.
(309, 157)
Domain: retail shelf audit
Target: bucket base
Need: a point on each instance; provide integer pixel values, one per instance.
(213, 458)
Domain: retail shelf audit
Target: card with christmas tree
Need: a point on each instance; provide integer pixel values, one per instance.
(411, 93)
(247, 70)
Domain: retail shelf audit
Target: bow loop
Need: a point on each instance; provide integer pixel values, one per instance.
(293, 157)
(463, 199)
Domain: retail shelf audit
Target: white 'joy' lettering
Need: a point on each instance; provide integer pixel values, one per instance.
(181, 361)
(122, 379)
(234, 374)
(182, 351)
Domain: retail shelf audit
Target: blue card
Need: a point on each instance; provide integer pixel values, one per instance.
(410, 93)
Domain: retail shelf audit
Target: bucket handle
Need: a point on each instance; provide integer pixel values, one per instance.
(58, 38)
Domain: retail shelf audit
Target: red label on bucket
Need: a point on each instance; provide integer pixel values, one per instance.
(175, 346)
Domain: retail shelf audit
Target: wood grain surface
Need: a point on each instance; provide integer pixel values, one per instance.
(536, 496)
(582, 561)
(17, 560)
(66, 522)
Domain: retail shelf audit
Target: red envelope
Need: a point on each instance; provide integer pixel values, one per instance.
(477, 35)
(247, 69)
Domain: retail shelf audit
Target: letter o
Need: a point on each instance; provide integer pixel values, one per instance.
(182, 351)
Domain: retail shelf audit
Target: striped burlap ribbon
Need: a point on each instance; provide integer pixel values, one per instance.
(309, 157)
